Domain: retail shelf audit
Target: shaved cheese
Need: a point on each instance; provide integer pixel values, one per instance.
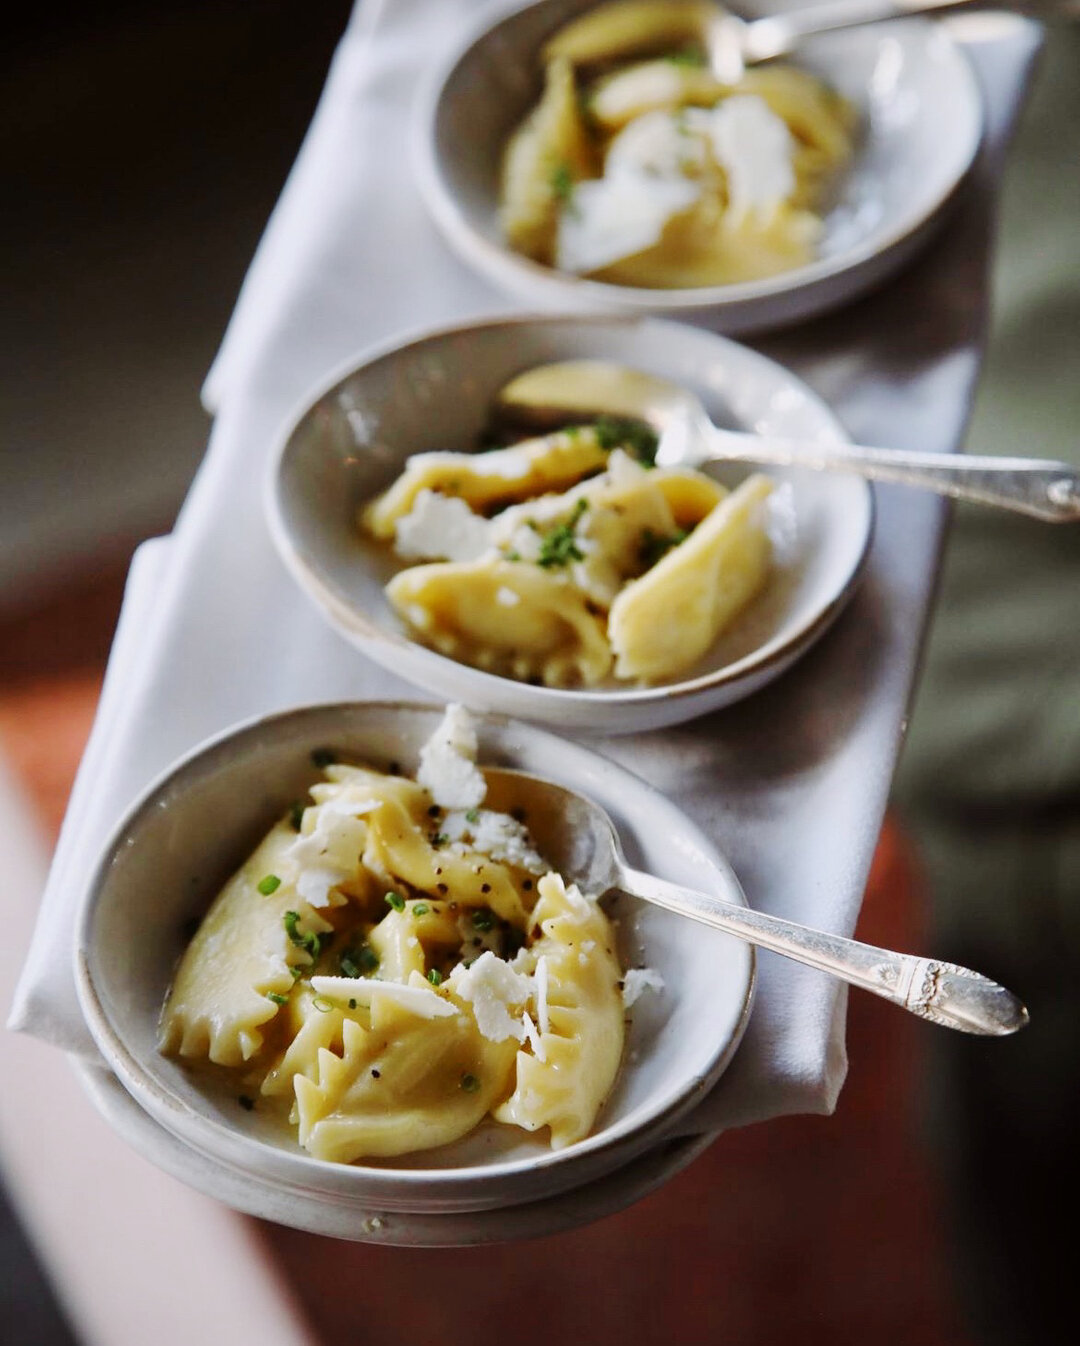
(614, 217)
(494, 834)
(420, 1000)
(448, 762)
(754, 147)
(533, 1038)
(441, 528)
(637, 980)
(493, 988)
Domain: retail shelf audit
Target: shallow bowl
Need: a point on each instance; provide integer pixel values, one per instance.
(194, 826)
(921, 125)
(350, 439)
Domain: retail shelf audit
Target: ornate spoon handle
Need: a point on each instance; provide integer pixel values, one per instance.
(941, 992)
(1042, 488)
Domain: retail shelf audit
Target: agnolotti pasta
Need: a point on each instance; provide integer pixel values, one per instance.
(395, 963)
(639, 167)
(584, 567)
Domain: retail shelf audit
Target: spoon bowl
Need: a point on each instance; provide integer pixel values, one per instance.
(582, 840)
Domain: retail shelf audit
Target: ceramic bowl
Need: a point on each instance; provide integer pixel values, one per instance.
(193, 827)
(351, 438)
(921, 125)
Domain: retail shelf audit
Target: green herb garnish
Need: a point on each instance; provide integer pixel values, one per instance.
(270, 884)
(434, 976)
(483, 920)
(306, 940)
(558, 546)
(323, 1005)
(277, 998)
(396, 901)
(420, 909)
(439, 838)
(638, 439)
(654, 546)
(562, 182)
(470, 1083)
(689, 56)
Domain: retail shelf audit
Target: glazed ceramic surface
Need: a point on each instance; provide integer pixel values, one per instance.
(351, 439)
(194, 827)
(921, 126)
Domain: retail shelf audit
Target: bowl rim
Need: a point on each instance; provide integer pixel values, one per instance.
(300, 1172)
(352, 621)
(496, 259)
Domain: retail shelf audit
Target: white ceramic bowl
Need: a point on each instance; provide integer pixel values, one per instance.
(194, 826)
(351, 439)
(921, 119)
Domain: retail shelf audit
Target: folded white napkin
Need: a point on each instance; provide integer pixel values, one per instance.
(792, 783)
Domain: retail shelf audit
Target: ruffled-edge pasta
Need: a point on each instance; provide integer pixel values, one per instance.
(631, 572)
(395, 963)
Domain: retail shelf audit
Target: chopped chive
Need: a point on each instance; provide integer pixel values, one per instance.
(368, 959)
(470, 1083)
(396, 901)
(558, 546)
(277, 998)
(270, 884)
(439, 838)
(323, 1005)
(296, 973)
(309, 941)
(348, 967)
(637, 438)
(654, 547)
(434, 976)
(562, 182)
(420, 909)
(483, 919)
(473, 816)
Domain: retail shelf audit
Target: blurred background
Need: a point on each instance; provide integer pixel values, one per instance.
(144, 148)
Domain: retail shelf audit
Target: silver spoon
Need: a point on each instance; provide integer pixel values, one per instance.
(733, 43)
(580, 841)
(553, 394)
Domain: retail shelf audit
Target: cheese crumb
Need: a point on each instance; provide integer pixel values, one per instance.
(493, 988)
(637, 980)
(448, 763)
(441, 528)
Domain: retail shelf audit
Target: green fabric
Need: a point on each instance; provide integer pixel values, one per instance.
(990, 779)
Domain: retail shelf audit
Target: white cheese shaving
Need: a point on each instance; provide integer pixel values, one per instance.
(507, 598)
(493, 834)
(660, 144)
(441, 528)
(639, 979)
(533, 1038)
(614, 217)
(328, 852)
(754, 147)
(448, 763)
(493, 989)
(419, 1000)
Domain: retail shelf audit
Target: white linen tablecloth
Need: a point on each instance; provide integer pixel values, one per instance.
(792, 783)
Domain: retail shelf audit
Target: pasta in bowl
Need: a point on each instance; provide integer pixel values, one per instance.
(455, 1118)
(570, 559)
(656, 204)
(637, 166)
(412, 418)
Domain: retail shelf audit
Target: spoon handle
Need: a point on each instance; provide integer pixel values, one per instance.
(1036, 486)
(940, 992)
(779, 34)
